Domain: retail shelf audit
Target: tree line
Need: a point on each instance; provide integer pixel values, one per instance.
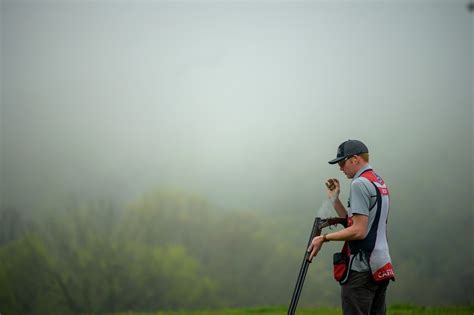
(168, 250)
(172, 250)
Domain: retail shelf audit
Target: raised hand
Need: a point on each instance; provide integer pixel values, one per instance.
(333, 189)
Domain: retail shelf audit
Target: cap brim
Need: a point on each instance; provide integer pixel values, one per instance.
(337, 160)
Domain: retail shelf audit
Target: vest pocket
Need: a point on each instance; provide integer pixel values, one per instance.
(340, 266)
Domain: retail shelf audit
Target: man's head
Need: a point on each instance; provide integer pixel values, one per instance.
(352, 155)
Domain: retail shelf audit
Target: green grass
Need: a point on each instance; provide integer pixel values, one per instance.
(397, 309)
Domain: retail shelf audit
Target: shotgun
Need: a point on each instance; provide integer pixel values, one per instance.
(318, 225)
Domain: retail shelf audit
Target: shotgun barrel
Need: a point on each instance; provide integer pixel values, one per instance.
(318, 225)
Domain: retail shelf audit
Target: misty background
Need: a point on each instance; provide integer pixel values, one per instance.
(241, 104)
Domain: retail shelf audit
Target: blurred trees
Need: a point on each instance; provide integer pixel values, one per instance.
(13, 225)
(236, 249)
(171, 250)
(28, 282)
(168, 250)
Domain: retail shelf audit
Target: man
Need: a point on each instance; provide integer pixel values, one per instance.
(367, 268)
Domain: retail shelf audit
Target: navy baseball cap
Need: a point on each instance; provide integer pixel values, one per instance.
(349, 148)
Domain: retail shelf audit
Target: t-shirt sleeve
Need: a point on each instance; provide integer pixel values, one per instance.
(360, 197)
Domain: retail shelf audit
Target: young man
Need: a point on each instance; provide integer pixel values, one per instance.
(367, 268)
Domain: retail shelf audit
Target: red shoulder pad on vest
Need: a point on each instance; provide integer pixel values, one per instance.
(373, 177)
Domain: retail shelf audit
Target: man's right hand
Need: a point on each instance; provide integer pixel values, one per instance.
(333, 189)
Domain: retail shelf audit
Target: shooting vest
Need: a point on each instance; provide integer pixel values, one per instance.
(375, 245)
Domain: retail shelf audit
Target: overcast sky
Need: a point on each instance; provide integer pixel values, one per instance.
(242, 102)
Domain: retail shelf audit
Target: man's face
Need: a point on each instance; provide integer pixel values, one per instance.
(349, 166)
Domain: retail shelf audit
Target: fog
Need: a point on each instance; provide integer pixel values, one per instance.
(240, 102)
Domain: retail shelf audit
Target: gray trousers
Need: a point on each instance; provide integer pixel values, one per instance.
(361, 295)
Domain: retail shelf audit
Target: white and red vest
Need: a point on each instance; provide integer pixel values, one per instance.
(375, 245)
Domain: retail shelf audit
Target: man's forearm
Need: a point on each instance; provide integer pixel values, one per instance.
(340, 209)
(357, 231)
(351, 233)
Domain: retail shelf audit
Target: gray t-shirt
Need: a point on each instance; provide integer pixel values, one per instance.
(362, 197)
